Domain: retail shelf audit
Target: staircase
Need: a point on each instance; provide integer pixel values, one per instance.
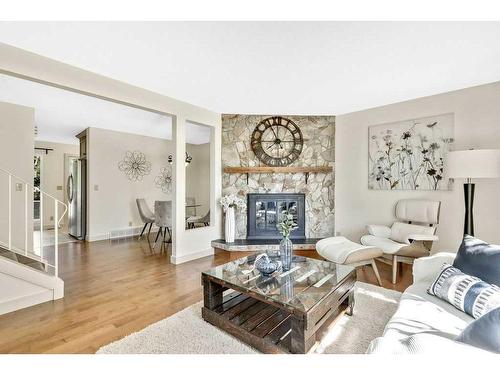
(28, 275)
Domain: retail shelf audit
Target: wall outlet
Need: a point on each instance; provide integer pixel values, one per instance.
(96, 187)
(19, 186)
(59, 187)
(52, 218)
(129, 223)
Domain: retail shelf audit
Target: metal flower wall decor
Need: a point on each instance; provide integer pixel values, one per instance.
(134, 165)
(164, 180)
(409, 155)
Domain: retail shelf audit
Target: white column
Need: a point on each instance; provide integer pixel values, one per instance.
(179, 190)
(56, 238)
(26, 188)
(216, 180)
(10, 212)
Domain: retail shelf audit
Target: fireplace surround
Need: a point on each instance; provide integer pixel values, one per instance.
(265, 211)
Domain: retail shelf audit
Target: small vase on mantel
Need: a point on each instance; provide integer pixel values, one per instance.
(286, 253)
(230, 225)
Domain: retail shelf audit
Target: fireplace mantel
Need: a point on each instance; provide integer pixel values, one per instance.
(271, 170)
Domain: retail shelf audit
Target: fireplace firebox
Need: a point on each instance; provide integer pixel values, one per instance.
(265, 211)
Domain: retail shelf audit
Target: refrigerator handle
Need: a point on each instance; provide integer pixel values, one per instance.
(69, 188)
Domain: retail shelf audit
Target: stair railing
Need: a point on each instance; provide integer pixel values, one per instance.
(54, 264)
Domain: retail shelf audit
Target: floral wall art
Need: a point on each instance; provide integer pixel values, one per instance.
(164, 180)
(134, 165)
(409, 155)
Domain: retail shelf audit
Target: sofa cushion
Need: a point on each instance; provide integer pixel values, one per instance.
(467, 293)
(420, 312)
(341, 250)
(480, 259)
(400, 232)
(387, 245)
(483, 332)
(422, 343)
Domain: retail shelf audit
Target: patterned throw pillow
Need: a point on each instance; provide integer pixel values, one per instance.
(467, 293)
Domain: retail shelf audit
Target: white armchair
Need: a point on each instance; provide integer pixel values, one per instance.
(408, 238)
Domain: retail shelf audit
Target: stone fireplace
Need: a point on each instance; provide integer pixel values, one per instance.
(264, 212)
(317, 190)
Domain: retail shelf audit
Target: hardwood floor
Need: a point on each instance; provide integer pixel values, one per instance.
(114, 288)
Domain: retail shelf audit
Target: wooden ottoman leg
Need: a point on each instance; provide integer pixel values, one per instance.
(394, 269)
(375, 270)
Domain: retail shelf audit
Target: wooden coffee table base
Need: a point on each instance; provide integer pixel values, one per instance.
(267, 327)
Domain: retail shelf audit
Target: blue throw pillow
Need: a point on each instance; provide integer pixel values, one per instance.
(483, 332)
(480, 259)
(467, 293)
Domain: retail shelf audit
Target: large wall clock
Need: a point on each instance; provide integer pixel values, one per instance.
(277, 141)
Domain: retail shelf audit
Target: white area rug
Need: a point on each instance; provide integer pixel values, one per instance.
(187, 333)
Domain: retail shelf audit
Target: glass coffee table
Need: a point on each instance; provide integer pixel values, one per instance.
(280, 313)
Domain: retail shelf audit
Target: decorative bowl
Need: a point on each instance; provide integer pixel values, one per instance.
(265, 265)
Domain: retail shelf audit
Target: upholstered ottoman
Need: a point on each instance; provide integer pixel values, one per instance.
(340, 250)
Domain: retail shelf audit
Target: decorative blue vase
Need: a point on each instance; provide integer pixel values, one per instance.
(265, 265)
(286, 253)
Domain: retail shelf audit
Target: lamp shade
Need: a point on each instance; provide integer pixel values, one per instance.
(473, 164)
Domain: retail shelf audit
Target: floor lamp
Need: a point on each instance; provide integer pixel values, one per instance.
(471, 164)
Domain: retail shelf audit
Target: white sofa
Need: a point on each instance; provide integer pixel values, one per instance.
(424, 323)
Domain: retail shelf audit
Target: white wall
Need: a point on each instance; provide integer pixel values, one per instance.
(477, 125)
(53, 177)
(113, 206)
(16, 156)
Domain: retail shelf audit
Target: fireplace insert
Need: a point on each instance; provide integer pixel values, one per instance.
(265, 211)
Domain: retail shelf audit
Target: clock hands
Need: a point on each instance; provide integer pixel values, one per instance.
(276, 135)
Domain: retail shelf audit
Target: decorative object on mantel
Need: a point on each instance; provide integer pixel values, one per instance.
(271, 170)
(409, 155)
(265, 265)
(188, 159)
(164, 180)
(471, 164)
(134, 165)
(286, 226)
(277, 141)
(229, 203)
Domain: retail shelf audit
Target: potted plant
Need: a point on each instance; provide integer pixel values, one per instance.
(285, 227)
(229, 203)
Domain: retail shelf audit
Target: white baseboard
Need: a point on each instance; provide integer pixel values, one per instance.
(117, 234)
(25, 301)
(96, 237)
(192, 256)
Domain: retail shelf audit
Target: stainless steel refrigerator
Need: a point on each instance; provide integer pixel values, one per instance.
(76, 192)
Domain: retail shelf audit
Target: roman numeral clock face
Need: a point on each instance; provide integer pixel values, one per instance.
(277, 141)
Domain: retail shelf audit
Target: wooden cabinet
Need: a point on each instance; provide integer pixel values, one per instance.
(83, 143)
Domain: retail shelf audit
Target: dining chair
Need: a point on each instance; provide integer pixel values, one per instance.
(193, 220)
(146, 215)
(163, 219)
(190, 211)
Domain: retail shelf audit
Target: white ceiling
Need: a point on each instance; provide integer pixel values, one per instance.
(275, 67)
(60, 114)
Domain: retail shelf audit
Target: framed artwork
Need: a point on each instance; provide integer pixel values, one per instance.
(409, 155)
